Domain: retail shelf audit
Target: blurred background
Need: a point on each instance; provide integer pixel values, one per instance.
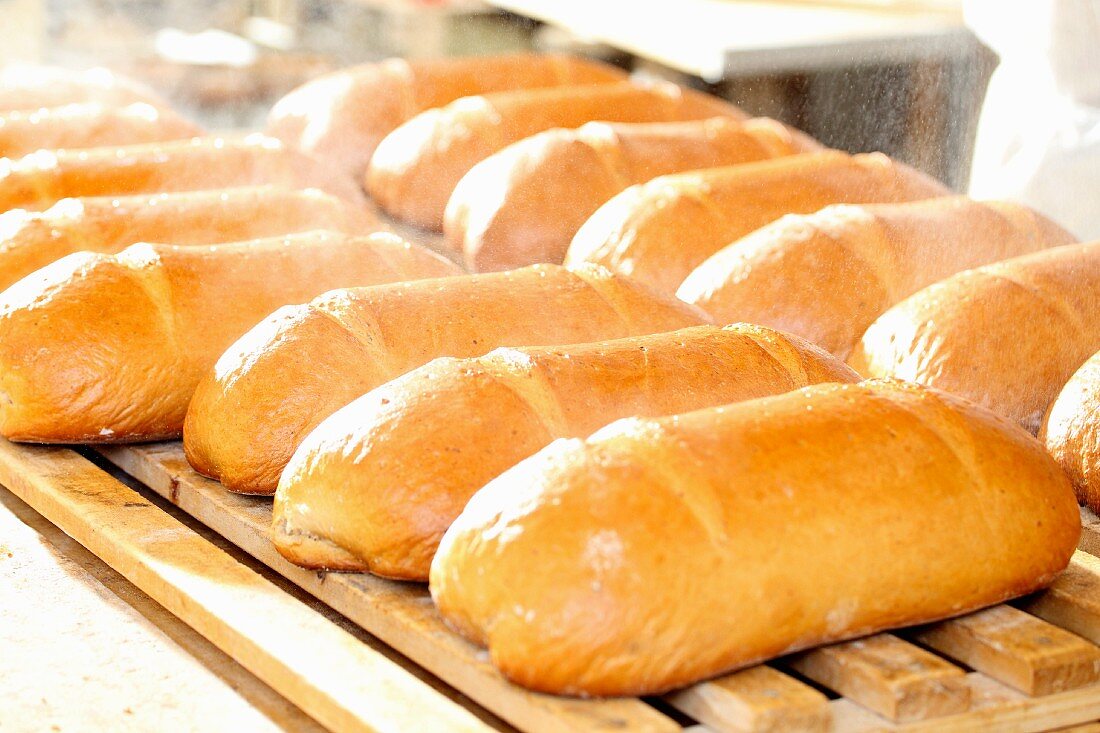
(907, 77)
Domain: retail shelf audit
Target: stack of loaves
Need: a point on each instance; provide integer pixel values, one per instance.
(653, 366)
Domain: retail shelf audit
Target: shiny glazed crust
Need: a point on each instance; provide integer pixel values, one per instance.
(660, 231)
(523, 204)
(297, 367)
(30, 240)
(1008, 335)
(664, 551)
(341, 117)
(416, 167)
(827, 276)
(1071, 431)
(108, 348)
(40, 180)
(444, 430)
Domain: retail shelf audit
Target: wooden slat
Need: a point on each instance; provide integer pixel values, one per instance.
(1084, 728)
(393, 608)
(756, 700)
(1090, 532)
(993, 707)
(1073, 600)
(1020, 650)
(400, 614)
(323, 669)
(889, 676)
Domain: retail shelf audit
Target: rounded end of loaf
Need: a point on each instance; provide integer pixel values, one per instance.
(351, 490)
(523, 204)
(828, 275)
(342, 116)
(652, 523)
(1071, 432)
(985, 333)
(30, 240)
(416, 167)
(267, 391)
(767, 276)
(29, 183)
(60, 325)
(647, 231)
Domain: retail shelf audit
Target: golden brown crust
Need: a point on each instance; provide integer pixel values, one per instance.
(444, 430)
(1071, 431)
(341, 117)
(88, 126)
(38, 181)
(1007, 335)
(303, 363)
(664, 551)
(827, 276)
(660, 231)
(523, 204)
(415, 169)
(101, 348)
(30, 240)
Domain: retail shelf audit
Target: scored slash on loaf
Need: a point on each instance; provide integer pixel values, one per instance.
(1007, 335)
(341, 117)
(305, 362)
(100, 348)
(523, 204)
(444, 430)
(415, 168)
(664, 551)
(660, 231)
(30, 240)
(827, 276)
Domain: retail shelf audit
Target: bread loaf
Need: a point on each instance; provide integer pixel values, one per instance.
(417, 166)
(87, 126)
(660, 231)
(305, 362)
(44, 178)
(30, 240)
(827, 276)
(664, 551)
(28, 87)
(523, 205)
(1007, 335)
(1071, 431)
(341, 117)
(108, 348)
(444, 430)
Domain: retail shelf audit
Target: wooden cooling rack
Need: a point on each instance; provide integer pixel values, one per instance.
(1031, 665)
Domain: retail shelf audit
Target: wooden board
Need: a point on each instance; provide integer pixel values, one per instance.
(323, 669)
(883, 682)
